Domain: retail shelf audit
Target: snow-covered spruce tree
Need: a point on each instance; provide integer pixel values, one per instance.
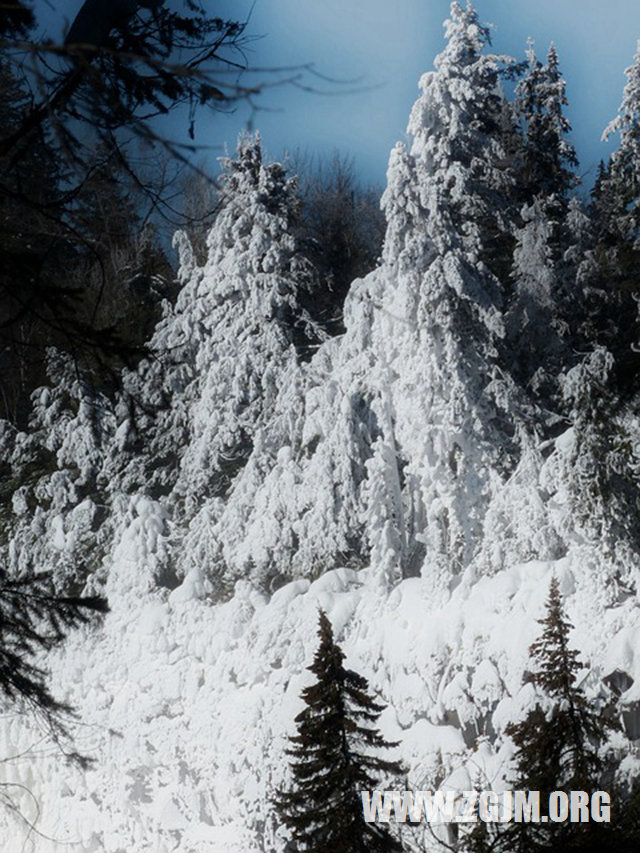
(256, 332)
(548, 158)
(458, 145)
(616, 222)
(545, 177)
(57, 519)
(594, 470)
(447, 246)
(236, 324)
(334, 759)
(223, 354)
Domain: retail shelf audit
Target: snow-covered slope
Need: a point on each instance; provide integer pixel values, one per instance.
(186, 706)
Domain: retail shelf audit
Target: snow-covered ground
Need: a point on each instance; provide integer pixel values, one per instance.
(186, 707)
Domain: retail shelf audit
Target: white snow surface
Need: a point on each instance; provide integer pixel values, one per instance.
(186, 707)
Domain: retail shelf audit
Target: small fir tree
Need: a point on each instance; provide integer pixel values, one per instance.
(333, 760)
(558, 742)
(560, 746)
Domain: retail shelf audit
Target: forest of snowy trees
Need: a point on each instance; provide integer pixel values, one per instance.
(425, 425)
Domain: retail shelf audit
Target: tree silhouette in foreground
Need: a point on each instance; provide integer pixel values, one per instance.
(71, 108)
(558, 747)
(333, 759)
(33, 617)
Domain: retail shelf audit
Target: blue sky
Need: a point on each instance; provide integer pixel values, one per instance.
(386, 47)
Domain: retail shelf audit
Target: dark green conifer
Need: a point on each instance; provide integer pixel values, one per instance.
(557, 746)
(549, 159)
(560, 747)
(35, 617)
(334, 759)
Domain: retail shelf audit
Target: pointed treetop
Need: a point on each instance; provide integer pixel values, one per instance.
(325, 629)
(246, 173)
(466, 37)
(625, 162)
(325, 633)
(549, 158)
(628, 119)
(246, 163)
(558, 664)
(329, 656)
(532, 58)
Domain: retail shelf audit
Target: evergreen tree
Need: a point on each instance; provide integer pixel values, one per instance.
(546, 176)
(615, 274)
(333, 760)
(35, 617)
(223, 354)
(558, 742)
(55, 471)
(558, 746)
(549, 159)
(236, 326)
(254, 329)
(447, 250)
(459, 147)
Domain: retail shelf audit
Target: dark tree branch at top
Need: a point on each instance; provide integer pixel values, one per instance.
(97, 18)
